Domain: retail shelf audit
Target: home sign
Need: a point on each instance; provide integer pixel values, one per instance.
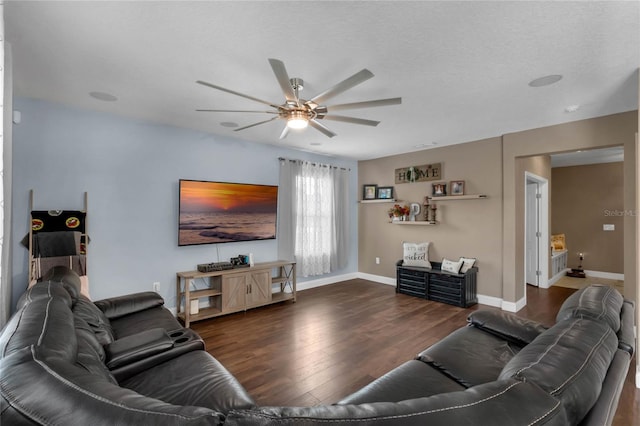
(419, 173)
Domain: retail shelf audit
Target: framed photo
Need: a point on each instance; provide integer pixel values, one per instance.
(439, 189)
(385, 192)
(457, 187)
(369, 192)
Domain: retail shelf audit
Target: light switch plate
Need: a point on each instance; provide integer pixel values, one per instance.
(608, 227)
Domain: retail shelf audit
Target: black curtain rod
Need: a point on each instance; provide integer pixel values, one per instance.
(313, 164)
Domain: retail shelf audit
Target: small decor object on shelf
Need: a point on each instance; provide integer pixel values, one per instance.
(457, 187)
(433, 213)
(385, 192)
(414, 211)
(439, 189)
(369, 192)
(398, 212)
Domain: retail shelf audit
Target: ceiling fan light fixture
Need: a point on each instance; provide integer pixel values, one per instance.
(297, 120)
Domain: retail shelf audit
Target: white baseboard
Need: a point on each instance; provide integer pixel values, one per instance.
(513, 306)
(557, 276)
(606, 275)
(306, 285)
(496, 302)
(377, 278)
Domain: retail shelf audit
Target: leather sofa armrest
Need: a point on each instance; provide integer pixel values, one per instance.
(626, 339)
(520, 331)
(136, 347)
(120, 306)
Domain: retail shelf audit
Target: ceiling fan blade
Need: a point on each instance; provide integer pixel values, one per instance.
(352, 120)
(366, 104)
(233, 92)
(285, 132)
(255, 124)
(283, 79)
(235, 110)
(350, 82)
(320, 127)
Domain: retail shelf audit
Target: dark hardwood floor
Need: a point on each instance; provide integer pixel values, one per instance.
(337, 338)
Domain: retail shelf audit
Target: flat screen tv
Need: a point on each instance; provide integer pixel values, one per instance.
(223, 212)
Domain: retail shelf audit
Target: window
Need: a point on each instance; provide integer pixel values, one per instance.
(313, 219)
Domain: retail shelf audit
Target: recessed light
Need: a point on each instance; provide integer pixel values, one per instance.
(229, 124)
(102, 96)
(572, 108)
(315, 143)
(546, 80)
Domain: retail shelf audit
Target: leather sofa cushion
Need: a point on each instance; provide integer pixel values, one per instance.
(598, 302)
(85, 309)
(136, 347)
(116, 307)
(91, 354)
(413, 379)
(45, 290)
(500, 403)
(69, 279)
(470, 356)
(520, 331)
(570, 361)
(155, 317)
(194, 378)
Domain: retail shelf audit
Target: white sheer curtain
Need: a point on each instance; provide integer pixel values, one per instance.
(313, 219)
(5, 174)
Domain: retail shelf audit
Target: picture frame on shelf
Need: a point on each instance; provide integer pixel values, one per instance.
(457, 187)
(369, 192)
(439, 189)
(385, 192)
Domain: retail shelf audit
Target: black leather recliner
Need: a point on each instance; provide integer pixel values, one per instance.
(126, 360)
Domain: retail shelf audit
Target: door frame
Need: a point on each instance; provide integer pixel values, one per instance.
(543, 247)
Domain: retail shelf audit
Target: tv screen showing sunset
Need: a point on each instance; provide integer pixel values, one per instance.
(221, 212)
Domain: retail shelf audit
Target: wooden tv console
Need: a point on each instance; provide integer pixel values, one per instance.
(234, 290)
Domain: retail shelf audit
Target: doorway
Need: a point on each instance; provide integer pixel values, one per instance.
(536, 219)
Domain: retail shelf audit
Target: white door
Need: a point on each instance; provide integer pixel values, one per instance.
(532, 233)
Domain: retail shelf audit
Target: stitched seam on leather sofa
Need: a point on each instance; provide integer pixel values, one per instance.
(29, 300)
(401, 416)
(582, 367)
(81, 390)
(542, 355)
(602, 301)
(102, 399)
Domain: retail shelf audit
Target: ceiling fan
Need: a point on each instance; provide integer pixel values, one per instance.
(300, 113)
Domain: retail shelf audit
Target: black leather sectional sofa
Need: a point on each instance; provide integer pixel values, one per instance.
(65, 360)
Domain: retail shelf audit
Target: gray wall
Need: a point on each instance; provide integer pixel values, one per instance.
(130, 170)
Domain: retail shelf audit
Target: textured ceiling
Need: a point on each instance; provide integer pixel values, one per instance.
(462, 68)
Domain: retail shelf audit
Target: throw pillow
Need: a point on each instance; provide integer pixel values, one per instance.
(451, 266)
(467, 263)
(416, 254)
(558, 242)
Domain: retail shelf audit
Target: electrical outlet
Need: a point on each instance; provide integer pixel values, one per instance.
(377, 260)
(156, 286)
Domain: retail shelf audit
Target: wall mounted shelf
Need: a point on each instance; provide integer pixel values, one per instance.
(417, 222)
(385, 200)
(459, 197)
